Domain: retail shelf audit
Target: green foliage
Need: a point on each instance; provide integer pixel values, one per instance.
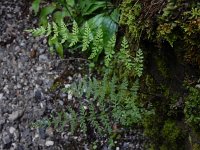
(171, 133)
(75, 33)
(56, 35)
(192, 108)
(138, 63)
(86, 37)
(103, 97)
(109, 50)
(124, 55)
(35, 6)
(97, 44)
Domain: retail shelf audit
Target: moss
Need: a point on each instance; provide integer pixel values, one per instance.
(171, 133)
(196, 147)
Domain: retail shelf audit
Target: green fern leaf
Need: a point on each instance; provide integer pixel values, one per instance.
(138, 63)
(49, 29)
(124, 55)
(86, 37)
(63, 32)
(75, 32)
(55, 31)
(109, 50)
(97, 43)
(82, 120)
(38, 31)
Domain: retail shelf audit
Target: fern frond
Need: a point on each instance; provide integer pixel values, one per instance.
(124, 55)
(86, 37)
(138, 63)
(109, 50)
(38, 31)
(55, 31)
(73, 119)
(49, 30)
(75, 32)
(63, 31)
(82, 120)
(93, 118)
(97, 43)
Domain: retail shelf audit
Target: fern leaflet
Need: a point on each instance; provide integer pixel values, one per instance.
(97, 43)
(86, 37)
(109, 50)
(75, 32)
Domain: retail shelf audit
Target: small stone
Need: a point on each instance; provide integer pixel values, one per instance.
(15, 115)
(1, 96)
(38, 95)
(44, 41)
(41, 50)
(49, 131)
(39, 68)
(61, 102)
(49, 143)
(6, 138)
(42, 133)
(12, 130)
(70, 78)
(43, 57)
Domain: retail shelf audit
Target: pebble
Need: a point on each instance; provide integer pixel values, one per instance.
(49, 143)
(43, 57)
(1, 96)
(15, 115)
(6, 138)
(12, 130)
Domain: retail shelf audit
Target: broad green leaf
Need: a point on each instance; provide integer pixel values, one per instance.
(108, 25)
(35, 6)
(45, 12)
(58, 16)
(89, 10)
(59, 49)
(115, 15)
(70, 2)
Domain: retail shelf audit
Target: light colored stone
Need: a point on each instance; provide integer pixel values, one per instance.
(49, 143)
(12, 130)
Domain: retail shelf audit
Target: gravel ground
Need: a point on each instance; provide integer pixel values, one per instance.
(27, 72)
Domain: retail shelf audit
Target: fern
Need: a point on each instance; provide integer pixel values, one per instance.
(124, 55)
(109, 50)
(63, 32)
(73, 119)
(55, 31)
(97, 44)
(75, 32)
(138, 63)
(86, 37)
(38, 31)
(48, 30)
(93, 118)
(82, 120)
